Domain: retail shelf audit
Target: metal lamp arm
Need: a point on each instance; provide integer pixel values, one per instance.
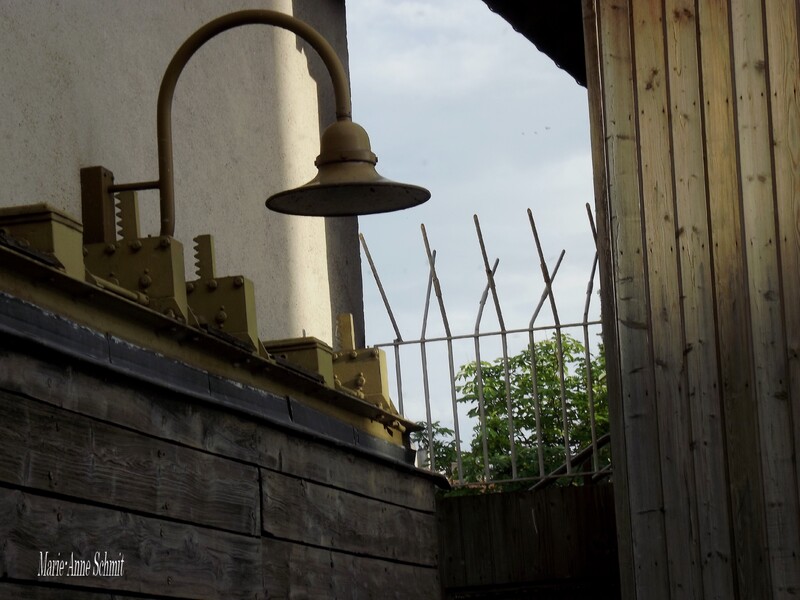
(165, 183)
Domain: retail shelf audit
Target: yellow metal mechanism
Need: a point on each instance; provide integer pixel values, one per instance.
(149, 266)
(361, 370)
(222, 304)
(308, 353)
(45, 229)
(41, 244)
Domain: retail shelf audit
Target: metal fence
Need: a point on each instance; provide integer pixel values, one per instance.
(507, 401)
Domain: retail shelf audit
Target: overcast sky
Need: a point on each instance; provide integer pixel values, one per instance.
(456, 101)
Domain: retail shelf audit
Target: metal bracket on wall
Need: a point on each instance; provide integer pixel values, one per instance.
(222, 305)
(361, 370)
(149, 266)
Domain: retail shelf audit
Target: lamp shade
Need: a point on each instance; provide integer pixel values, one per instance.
(347, 183)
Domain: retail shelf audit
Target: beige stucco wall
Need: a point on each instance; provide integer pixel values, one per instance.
(78, 87)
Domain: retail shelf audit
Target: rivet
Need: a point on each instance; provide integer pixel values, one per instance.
(221, 315)
(212, 284)
(135, 246)
(145, 281)
(353, 354)
(170, 313)
(110, 248)
(189, 287)
(164, 242)
(238, 281)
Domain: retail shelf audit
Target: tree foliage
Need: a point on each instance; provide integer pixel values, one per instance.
(543, 363)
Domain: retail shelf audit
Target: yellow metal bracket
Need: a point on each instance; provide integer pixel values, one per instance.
(361, 370)
(222, 304)
(147, 266)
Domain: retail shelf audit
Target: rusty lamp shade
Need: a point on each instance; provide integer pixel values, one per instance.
(347, 183)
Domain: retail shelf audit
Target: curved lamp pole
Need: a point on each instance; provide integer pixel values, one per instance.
(346, 184)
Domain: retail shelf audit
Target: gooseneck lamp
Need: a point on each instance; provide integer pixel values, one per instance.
(346, 184)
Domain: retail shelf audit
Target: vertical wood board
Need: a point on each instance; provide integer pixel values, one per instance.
(551, 536)
(630, 293)
(700, 367)
(654, 118)
(595, 82)
(782, 18)
(766, 322)
(730, 292)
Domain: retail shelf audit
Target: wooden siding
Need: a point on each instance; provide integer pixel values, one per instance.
(556, 542)
(696, 142)
(202, 502)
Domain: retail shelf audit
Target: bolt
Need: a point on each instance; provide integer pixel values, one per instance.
(375, 353)
(189, 287)
(354, 354)
(212, 284)
(110, 248)
(238, 281)
(145, 281)
(221, 316)
(164, 242)
(135, 246)
(170, 313)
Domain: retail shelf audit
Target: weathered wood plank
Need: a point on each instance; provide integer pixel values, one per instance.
(766, 314)
(452, 564)
(476, 535)
(783, 49)
(730, 291)
(298, 571)
(86, 459)
(339, 468)
(700, 370)
(637, 388)
(556, 534)
(205, 427)
(138, 406)
(660, 229)
(298, 510)
(160, 557)
(594, 52)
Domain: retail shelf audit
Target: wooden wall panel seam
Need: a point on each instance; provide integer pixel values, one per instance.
(654, 562)
(593, 45)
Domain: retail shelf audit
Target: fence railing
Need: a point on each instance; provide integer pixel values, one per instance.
(538, 413)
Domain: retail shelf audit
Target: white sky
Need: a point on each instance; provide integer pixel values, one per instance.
(456, 101)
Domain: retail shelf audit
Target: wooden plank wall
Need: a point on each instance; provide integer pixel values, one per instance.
(558, 542)
(696, 143)
(201, 502)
